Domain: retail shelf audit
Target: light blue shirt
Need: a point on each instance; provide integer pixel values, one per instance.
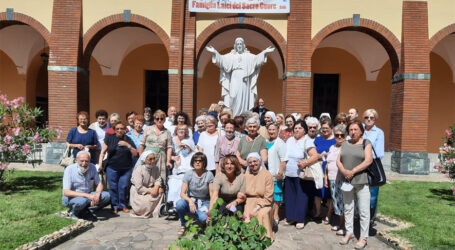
(376, 136)
(75, 181)
(136, 140)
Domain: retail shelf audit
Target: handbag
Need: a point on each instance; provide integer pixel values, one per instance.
(306, 173)
(67, 157)
(376, 174)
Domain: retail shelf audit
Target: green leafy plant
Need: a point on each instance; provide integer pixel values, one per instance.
(223, 232)
(447, 155)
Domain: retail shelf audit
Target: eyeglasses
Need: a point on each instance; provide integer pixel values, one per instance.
(198, 160)
(159, 119)
(152, 159)
(369, 118)
(340, 136)
(120, 129)
(312, 127)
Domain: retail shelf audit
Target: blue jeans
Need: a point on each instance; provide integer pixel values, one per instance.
(374, 192)
(79, 206)
(183, 208)
(119, 182)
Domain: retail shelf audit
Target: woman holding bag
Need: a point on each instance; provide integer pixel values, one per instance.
(298, 192)
(355, 157)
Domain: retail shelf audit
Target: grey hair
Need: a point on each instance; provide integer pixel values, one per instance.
(247, 115)
(312, 120)
(114, 114)
(212, 120)
(83, 152)
(252, 120)
(201, 118)
(341, 128)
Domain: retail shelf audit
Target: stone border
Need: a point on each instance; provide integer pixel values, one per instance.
(51, 240)
(391, 239)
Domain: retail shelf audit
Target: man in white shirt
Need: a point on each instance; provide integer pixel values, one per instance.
(353, 114)
(100, 127)
(171, 112)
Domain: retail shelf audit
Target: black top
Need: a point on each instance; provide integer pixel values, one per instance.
(261, 113)
(119, 157)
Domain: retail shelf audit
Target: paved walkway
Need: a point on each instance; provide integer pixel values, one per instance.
(125, 232)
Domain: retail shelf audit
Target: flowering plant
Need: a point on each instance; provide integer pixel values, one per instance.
(447, 155)
(223, 232)
(18, 131)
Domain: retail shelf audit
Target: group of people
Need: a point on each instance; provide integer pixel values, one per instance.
(256, 162)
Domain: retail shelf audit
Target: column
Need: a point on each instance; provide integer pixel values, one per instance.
(411, 92)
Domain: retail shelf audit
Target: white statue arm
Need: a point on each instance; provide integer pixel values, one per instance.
(268, 50)
(212, 50)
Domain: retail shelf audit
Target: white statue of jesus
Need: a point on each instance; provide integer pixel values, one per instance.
(239, 71)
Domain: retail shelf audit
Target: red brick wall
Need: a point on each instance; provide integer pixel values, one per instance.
(297, 90)
(189, 53)
(65, 44)
(410, 97)
(175, 53)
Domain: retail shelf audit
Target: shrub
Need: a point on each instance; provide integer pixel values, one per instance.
(447, 155)
(224, 232)
(18, 131)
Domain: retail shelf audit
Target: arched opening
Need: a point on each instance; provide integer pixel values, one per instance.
(442, 91)
(23, 65)
(353, 69)
(128, 66)
(269, 83)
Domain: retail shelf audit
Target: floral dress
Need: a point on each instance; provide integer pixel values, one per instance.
(158, 143)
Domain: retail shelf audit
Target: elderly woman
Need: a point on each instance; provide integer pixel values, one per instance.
(157, 138)
(376, 136)
(114, 118)
(341, 118)
(313, 127)
(288, 132)
(259, 193)
(298, 192)
(81, 137)
(276, 152)
(207, 142)
(181, 133)
(225, 115)
(269, 118)
(227, 144)
(240, 127)
(130, 120)
(121, 150)
(146, 191)
(229, 185)
(280, 121)
(136, 133)
(323, 144)
(181, 118)
(195, 193)
(200, 123)
(253, 142)
(332, 179)
(354, 158)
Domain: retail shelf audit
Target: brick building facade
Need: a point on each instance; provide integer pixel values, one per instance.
(394, 56)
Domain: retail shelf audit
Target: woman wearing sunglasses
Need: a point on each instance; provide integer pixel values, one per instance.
(158, 139)
(332, 180)
(376, 136)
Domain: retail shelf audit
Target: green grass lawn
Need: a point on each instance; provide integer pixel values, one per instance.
(28, 202)
(430, 206)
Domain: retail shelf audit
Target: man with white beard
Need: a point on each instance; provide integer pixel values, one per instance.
(171, 112)
(78, 180)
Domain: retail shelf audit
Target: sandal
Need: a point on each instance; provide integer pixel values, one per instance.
(341, 232)
(181, 231)
(360, 245)
(289, 223)
(326, 220)
(335, 228)
(345, 241)
(299, 226)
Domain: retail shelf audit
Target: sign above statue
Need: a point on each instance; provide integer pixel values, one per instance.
(239, 6)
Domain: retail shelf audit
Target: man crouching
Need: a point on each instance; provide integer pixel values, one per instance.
(78, 181)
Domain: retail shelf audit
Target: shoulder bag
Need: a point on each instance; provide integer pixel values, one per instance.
(376, 174)
(67, 159)
(307, 172)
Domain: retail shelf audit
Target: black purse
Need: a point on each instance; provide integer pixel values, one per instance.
(376, 174)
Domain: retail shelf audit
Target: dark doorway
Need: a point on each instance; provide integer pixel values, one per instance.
(156, 89)
(325, 94)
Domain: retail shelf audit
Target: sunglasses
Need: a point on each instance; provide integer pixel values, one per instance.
(340, 136)
(197, 160)
(152, 159)
(369, 118)
(312, 127)
(159, 119)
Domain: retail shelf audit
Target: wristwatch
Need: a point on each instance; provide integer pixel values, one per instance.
(129, 147)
